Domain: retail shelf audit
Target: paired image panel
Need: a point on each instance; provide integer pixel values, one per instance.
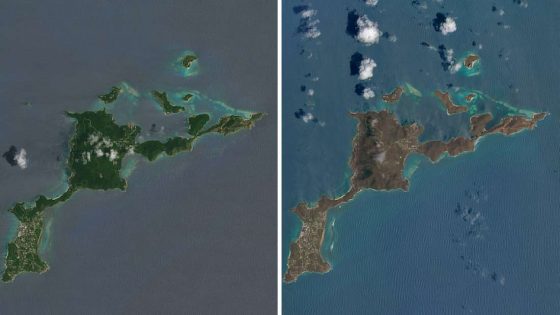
(139, 157)
(420, 157)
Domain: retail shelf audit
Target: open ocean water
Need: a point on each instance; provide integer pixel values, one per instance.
(476, 234)
(194, 233)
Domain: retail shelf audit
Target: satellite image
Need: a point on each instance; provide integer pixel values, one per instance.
(421, 157)
(138, 143)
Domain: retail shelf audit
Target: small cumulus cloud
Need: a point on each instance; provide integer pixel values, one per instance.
(448, 61)
(368, 31)
(363, 91)
(16, 157)
(444, 24)
(366, 68)
(447, 58)
(368, 93)
(21, 159)
(449, 26)
(522, 3)
(113, 155)
(455, 68)
(363, 29)
(371, 3)
(308, 24)
(307, 117)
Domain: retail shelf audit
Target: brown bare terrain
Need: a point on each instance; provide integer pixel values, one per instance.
(478, 124)
(470, 97)
(380, 148)
(445, 99)
(471, 60)
(394, 96)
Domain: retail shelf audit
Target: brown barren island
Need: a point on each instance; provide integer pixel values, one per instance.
(451, 107)
(394, 96)
(380, 148)
(470, 61)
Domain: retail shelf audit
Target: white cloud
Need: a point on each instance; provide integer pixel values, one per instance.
(366, 68)
(21, 159)
(453, 67)
(309, 24)
(380, 157)
(368, 32)
(107, 142)
(372, 3)
(448, 26)
(307, 117)
(449, 56)
(93, 138)
(113, 155)
(306, 14)
(368, 93)
(313, 29)
(310, 92)
(456, 67)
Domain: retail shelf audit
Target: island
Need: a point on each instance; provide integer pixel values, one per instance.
(165, 103)
(394, 96)
(452, 108)
(188, 60)
(469, 97)
(96, 153)
(97, 148)
(187, 97)
(380, 148)
(471, 60)
(111, 96)
(153, 149)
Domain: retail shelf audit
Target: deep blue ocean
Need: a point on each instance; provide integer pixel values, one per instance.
(475, 234)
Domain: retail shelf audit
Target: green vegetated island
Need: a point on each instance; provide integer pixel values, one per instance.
(380, 149)
(97, 148)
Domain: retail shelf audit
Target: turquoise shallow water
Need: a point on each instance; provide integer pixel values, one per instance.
(475, 234)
